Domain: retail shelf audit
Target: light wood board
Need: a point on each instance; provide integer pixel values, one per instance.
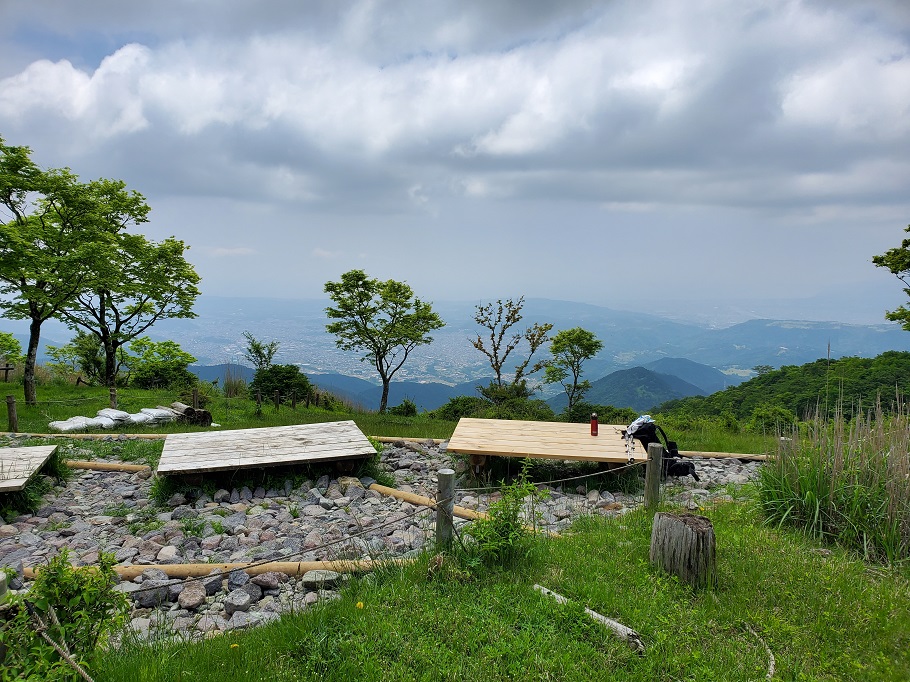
(544, 440)
(18, 465)
(186, 453)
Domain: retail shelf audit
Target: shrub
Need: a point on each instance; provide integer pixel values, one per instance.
(461, 406)
(504, 537)
(79, 607)
(407, 409)
(606, 414)
(771, 419)
(281, 378)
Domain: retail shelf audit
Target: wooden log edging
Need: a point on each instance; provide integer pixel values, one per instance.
(291, 568)
(395, 439)
(91, 436)
(460, 512)
(724, 455)
(105, 466)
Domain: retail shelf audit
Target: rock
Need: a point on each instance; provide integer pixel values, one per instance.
(176, 500)
(237, 579)
(221, 495)
(167, 553)
(270, 580)
(314, 580)
(193, 595)
(253, 590)
(183, 512)
(238, 600)
(152, 593)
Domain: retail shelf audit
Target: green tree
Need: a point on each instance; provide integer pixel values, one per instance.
(260, 354)
(83, 355)
(897, 260)
(160, 364)
(762, 370)
(384, 320)
(10, 349)
(570, 348)
(54, 231)
(136, 284)
(498, 319)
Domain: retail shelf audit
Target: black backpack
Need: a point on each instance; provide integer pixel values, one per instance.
(673, 465)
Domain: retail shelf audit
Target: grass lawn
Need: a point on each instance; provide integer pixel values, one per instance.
(824, 615)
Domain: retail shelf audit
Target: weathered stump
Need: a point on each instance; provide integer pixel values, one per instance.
(683, 545)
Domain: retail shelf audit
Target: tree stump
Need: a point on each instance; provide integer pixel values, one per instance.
(683, 545)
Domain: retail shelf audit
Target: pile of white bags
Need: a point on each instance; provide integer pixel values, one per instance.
(109, 418)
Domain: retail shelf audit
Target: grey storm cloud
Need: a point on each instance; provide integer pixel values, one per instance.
(332, 122)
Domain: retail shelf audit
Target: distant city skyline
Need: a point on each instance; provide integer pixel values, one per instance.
(701, 159)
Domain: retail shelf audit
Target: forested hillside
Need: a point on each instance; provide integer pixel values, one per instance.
(805, 389)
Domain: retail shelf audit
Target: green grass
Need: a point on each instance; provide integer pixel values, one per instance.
(846, 481)
(59, 402)
(825, 617)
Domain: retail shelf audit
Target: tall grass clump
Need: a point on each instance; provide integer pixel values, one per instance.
(846, 481)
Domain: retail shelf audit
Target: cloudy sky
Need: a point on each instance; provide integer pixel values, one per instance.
(690, 153)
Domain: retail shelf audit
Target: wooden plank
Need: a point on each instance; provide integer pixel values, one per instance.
(272, 446)
(544, 440)
(19, 465)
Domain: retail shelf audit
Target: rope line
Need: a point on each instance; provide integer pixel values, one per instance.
(559, 480)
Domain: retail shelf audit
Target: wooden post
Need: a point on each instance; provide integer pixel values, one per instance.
(445, 504)
(277, 399)
(258, 401)
(684, 545)
(652, 475)
(11, 411)
(195, 397)
(113, 399)
(6, 369)
(294, 399)
(308, 394)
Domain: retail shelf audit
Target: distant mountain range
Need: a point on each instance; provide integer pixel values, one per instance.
(640, 388)
(718, 356)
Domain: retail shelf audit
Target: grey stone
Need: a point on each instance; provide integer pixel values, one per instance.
(184, 512)
(176, 500)
(237, 579)
(221, 495)
(259, 493)
(246, 494)
(314, 580)
(253, 590)
(238, 600)
(152, 593)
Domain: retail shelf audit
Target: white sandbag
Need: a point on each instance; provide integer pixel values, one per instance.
(159, 415)
(139, 418)
(116, 415)
(71, 424)
(106, 422)
(93, 423)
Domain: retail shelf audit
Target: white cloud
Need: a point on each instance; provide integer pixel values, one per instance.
(227, 252)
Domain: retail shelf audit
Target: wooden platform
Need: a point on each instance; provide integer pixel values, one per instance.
(186, 453)
(18, 465)
(544, 440)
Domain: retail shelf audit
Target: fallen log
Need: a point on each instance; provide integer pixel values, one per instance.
(627, 634)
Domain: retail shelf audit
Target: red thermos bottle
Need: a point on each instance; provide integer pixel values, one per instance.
(593, 423)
